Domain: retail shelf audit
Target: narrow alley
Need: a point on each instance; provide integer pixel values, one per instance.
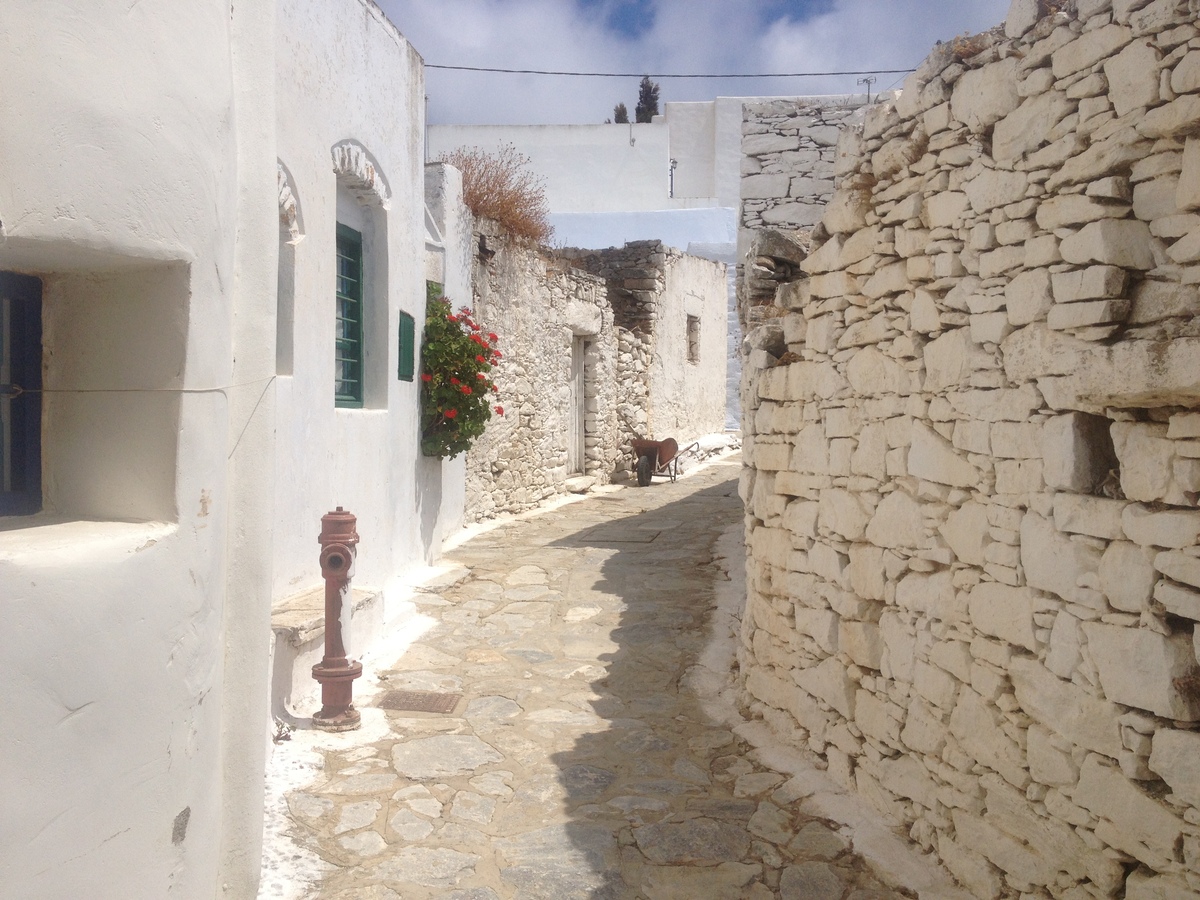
(591, 748)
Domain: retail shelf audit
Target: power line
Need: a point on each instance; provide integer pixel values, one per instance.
(665, 75)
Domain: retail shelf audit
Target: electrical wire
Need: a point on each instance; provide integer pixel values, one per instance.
(664, 75)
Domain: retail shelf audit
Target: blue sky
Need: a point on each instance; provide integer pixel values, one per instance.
(664, 36)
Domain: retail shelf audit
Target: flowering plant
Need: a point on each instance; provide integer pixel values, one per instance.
(456, 357)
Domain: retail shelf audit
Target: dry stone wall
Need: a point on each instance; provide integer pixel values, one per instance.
(538, 307)
(973, 459)
(788, 153)
(666, 389)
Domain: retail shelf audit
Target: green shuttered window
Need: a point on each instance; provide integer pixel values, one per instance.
(348, 340)
(406, 367)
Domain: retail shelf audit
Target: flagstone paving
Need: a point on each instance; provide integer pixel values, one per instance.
(581, 761)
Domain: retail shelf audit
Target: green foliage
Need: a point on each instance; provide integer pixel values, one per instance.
(456, 389)
(620, 114)
(647, 105)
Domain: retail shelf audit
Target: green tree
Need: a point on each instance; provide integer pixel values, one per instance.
(647, 105)
(620, 114)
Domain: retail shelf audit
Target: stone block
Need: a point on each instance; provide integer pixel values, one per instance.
(1005, 612)
(873, 374)
(1055, 842)
(1168, 529)
(1083, 315)
(1145, 454)
(990, 189)
(949, 359)
(930, 594)
(1178, 600)
(844, 513)
(765, 186)
(862, 642)
(938, 687)
(1127, 576)
(1178, 118)
(899, 648)
(1183, 567)
(829, 681)
(983, 96)
(1066, 210)
(1175, 757)
(933, 458)
(1133, 77)
(1029, 126)
(866, 571)
(819, 624)
(1145, 885)
(1028, 296)
(1051, 560)
(847, 210)
(1139, 668)
(1063, 653)
(1007, 853)
(871, 716)
(1047, 763)
(1088, 49)
(1022, 15)
(1065, 708)
(966, 532)
(1187, 193)
(1114, 242)
(1106, 792)
(1092, 283)
(1083, 514)
(1077, 451)
(1016, 440)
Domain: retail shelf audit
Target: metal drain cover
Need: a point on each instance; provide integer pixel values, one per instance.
(419, 701)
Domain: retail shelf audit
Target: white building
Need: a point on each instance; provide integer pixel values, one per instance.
(178, 182)
(678, 179)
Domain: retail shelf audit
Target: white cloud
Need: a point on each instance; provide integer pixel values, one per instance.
(686, 36)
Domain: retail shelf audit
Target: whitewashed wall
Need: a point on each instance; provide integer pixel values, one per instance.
(132, 606)
(346, 78)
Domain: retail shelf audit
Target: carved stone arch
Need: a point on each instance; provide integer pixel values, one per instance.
(357, 170)
(289, 205)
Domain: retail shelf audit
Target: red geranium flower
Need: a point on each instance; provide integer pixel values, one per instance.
(465, 389)
(451, 413)
(425, 376)
(482, 360)
(499, 410)
(453, 380)
(480, 375)
(492, 336)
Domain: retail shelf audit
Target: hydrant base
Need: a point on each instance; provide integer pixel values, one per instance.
(333, 720)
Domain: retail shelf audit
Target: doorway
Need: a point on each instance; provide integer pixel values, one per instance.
(577, 409)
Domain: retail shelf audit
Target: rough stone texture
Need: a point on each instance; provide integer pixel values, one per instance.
(998, 376)
(628, 307)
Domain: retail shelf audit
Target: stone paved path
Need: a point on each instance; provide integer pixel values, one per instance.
(581, 761)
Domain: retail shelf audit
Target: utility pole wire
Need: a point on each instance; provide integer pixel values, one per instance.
(661, 75)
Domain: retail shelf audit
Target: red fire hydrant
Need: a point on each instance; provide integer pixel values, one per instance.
(335, 672)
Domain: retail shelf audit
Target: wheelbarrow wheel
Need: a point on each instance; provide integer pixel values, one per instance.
(645, 468)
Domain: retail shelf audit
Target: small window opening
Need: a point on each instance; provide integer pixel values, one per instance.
(20, 394)
(693, 339)
(348, 343)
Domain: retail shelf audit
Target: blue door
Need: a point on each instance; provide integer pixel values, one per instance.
(20, 394)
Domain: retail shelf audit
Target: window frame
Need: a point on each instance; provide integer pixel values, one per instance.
(21, 374)
(692, 336)
(354, 346)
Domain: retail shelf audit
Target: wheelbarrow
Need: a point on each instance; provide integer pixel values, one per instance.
(659, 458)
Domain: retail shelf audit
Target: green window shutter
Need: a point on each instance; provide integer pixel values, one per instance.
(348, 333)
(408, 348)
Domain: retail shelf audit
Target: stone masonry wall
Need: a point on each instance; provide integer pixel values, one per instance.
(973, 459)
(537, 306)
(788, 150)
(653, 288)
